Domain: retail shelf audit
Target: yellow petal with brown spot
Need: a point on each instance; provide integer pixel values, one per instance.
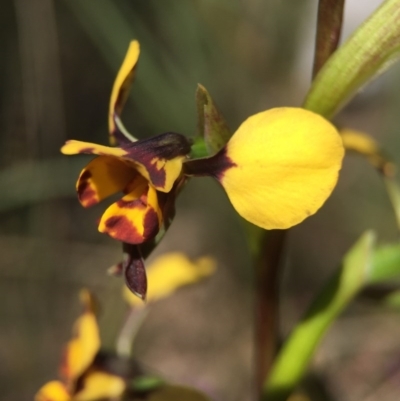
(122, 83)
(99, 386)
(73, 147)
(102, 177)
(135, 218)
(168, 273)
(282, 165)
(53, 391)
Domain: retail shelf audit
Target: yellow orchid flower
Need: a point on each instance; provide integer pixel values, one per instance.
(169, 272)
(81, 379)
(142, 170)
(278, 168)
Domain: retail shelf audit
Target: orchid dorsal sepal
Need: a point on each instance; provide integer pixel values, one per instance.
(121, 87)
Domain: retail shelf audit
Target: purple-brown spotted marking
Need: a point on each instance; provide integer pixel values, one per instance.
(214, 166)
(122, 228)
(166, 146)
(86, 194)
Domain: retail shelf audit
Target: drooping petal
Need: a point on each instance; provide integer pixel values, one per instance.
(81, 350)
(102, 177)
(99, 386)
(168, 273)
(287, 162)
(160, 158)
(53, 391)
(136, 217)
(73, 147)
(134, 271)
(122, 84)
(278, 168)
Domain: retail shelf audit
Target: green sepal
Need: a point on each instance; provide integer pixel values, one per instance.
(211, 123)
(373, 47)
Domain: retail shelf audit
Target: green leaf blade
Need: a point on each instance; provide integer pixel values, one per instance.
(297, 351)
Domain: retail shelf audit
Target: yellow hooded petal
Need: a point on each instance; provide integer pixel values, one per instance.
(53, 391)
(282, 164)
(81, 350)
(102, 177)
(122, 83)
(99, 386)
(136, 217)
(168, 273)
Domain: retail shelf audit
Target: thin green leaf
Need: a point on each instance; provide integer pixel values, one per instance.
(211, 123)
(329, 27)
(368, 52)
(299, 348)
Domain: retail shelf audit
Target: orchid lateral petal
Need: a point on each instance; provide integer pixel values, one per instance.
(81, 350)
(211, 123)
(278, 168)
(363, 144)
(136, 217)
(168, 273)
(160, 158)
(102, 177)
(372, 48)
(121, 87)
(53, 391)
(73, 147)
(134, 271)
(99, 386)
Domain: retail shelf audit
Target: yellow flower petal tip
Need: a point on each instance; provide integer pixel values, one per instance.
(280, 166)
(363, 144)
(122, 83)
(81, 350)
(99, 386)
(168, 273)
(53, 391)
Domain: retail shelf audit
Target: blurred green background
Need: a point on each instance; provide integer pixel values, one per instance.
(59, 62)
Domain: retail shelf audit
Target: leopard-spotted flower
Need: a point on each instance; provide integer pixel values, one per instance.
(278, 168)
(82, 380)
(143, 170)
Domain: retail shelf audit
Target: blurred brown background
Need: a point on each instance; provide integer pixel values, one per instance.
(59, 59)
